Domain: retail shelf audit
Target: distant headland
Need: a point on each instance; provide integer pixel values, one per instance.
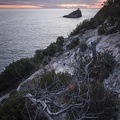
(75, 14)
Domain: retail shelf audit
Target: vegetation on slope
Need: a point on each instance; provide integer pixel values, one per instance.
(61, 90)
(16, 71)
(81, 96)
(13, 109)
(18, 108)
(111, 8)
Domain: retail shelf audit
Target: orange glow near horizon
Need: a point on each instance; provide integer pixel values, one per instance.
(101, 1)
(19, 7)
(97, 5)
(68, 5)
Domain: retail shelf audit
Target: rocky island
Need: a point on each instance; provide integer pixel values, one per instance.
(75, 14)
(78, 78)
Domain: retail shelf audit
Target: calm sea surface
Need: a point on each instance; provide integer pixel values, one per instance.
(22, 31)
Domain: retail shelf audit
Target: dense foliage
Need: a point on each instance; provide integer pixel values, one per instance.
(20, 69)
(103, 67)
(102, 105)
(13, 109)
(17, 108)
(73, 44)
(82, 27)
(50, 79)
(15, 72)
(85, 91)
(91, 100)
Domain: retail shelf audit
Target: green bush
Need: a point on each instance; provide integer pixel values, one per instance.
(73, 44)
(59, 42)
(51, 50)
(83, 46)
(103, 103)
(39, 54)
(101, 30)
(87, 24)
(98, 103)
(52, 80)
(104, 66)
(15, 72)
(13, 108)
(19, 108)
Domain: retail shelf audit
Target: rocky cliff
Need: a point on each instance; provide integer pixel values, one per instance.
(80, 81)
(68, 61)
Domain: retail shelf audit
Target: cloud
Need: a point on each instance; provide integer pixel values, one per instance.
(48, 1)
(20, 6)
(51, 3)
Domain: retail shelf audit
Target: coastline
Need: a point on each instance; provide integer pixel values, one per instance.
(76, 77)
(27, 34)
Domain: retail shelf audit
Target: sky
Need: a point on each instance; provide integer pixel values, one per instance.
(51, 3)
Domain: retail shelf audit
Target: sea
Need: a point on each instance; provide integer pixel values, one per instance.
(22, 31)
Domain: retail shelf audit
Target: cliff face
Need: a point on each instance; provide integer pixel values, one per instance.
(86, 87)
(74, 48)
(68, 61)
(70, 56)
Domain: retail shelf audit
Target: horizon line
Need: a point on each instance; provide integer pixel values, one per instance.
(59, 6)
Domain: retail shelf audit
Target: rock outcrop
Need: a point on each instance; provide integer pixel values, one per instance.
(73, 50)
(75, 14)
(93, 89)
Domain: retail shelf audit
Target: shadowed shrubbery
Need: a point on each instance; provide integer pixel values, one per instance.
(109, 9)
(85, 97)
(101, 30)
(51, 50)
(16, 71)
(59, 90)
(48, 80)
(98, 102)
(101, 104)
(104, 66)
(86, 24)
(73, 44)
(18, 108)
(13, 108)
(83, 46)
(52, 80)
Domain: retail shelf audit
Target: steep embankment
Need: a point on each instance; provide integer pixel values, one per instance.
(71, 54)
(74, 48)
(91, 56)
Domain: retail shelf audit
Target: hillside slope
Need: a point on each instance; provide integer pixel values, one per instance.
(81, 80)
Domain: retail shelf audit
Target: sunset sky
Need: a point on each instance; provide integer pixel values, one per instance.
(50, 3)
